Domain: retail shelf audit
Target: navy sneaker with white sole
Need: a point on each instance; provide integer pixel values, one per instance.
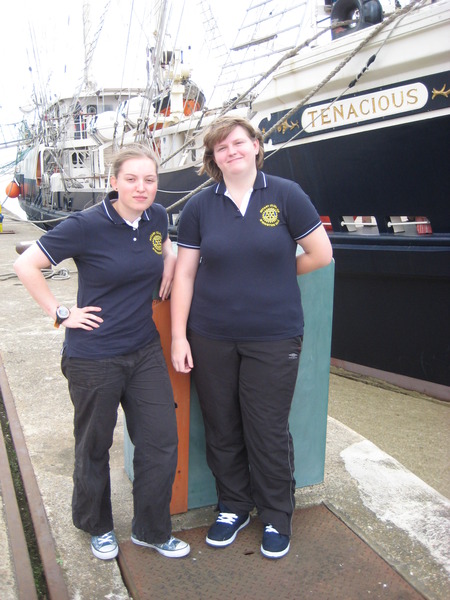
(274, 544)
(224, 531)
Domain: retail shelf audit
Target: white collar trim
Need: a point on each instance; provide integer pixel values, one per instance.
(245, 200)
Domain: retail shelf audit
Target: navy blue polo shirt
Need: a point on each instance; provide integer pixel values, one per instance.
(118, 269)
(246, 285)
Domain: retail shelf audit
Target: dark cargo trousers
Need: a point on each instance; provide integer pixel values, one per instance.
(245, 391)
(140, 382)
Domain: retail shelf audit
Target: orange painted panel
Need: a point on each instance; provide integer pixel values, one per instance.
(181, 391)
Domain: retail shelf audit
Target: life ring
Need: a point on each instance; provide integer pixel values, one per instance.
(364, 12)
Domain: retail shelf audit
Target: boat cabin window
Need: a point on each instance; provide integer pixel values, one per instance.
(79, 159)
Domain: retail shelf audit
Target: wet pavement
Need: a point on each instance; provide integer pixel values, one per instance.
(386, 470)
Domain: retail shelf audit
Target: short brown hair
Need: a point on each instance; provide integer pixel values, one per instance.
(132, 151)
(218, 131)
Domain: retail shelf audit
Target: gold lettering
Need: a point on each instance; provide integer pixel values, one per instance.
(338, 111)
(383, 105)
(313, 114)
(352, 112)
(325, 115)
(412, 96)
(367, 106)
(364, 112)
(398, 105)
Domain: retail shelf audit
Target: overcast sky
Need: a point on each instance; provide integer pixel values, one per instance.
(41, 45)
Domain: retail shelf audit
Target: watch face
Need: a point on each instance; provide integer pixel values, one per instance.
(62, 312)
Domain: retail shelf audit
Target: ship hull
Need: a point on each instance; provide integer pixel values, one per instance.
(391, 289)
(374, 161)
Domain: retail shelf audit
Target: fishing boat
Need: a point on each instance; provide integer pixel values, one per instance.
(352, 98)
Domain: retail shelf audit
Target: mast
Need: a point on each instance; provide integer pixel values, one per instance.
(87, 82)
(90, 43)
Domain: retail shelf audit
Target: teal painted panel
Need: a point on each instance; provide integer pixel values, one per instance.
(201, 484)
(308, 418)
(128, 451)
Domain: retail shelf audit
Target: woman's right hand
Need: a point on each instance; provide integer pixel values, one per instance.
(82, 318)
(181, 356)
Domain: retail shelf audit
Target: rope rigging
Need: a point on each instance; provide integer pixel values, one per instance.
(144, 131)
(395, 17)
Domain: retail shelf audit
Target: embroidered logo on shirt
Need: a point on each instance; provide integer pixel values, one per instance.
(269, 215)
(156, 241)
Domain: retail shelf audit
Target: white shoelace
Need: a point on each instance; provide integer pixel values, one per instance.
(106, 538)
(271, 529)
(228, 518)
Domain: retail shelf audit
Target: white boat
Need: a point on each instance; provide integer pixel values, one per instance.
(358, 114)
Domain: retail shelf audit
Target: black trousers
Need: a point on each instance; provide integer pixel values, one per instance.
(245, 391)
(140, 382)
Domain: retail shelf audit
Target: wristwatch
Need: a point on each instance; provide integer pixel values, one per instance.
(62, 313)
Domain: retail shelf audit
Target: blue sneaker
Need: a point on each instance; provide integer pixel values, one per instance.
(274, 544)
(224, 531)
(105, 546)
(173, 548)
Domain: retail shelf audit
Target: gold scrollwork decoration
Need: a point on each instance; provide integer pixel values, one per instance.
(442, 92)
(285, 126)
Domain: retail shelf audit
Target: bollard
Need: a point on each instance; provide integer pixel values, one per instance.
(22, 246)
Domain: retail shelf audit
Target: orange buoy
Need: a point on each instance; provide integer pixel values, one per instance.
(12, 190)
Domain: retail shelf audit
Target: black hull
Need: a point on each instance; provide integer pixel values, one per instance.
(391, 308)
(393, 171)
(391, 290)
(43, 217)
(48, 215)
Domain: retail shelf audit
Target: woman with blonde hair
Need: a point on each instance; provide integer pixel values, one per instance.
(112, 353)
